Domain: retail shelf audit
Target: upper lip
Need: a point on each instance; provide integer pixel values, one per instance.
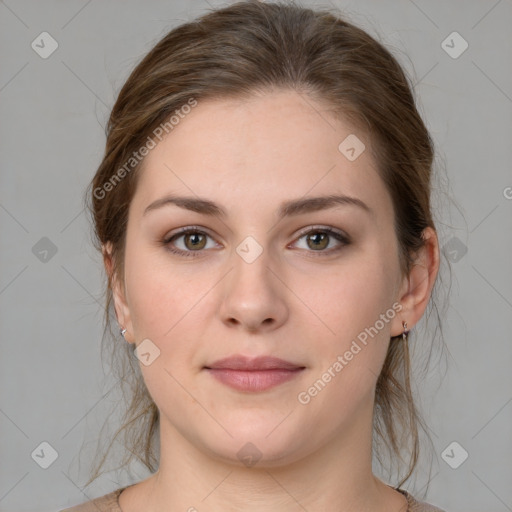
(239, 362)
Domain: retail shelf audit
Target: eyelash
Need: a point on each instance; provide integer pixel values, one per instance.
(194, 254)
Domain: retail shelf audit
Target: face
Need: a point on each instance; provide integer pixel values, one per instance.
(313, 284)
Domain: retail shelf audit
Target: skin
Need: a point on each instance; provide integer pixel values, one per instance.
(292, 302)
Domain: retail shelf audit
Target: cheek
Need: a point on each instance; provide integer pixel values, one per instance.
(349, 297)
(165, 308)
(353, 310)
(159, 294)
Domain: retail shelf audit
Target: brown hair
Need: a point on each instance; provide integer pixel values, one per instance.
(238, 51)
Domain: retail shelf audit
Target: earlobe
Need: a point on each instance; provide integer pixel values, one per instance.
(417, 286)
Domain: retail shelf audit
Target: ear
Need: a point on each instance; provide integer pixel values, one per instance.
(118, 292)
(417, 286)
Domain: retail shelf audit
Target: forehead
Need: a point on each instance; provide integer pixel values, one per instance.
(280, 145)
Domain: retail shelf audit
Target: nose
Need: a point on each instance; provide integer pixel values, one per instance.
(254, 298)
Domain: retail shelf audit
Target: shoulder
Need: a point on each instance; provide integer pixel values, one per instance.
(107, 503)
(418, 506)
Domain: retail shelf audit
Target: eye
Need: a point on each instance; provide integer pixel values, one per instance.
(191, 242)
(319, 239)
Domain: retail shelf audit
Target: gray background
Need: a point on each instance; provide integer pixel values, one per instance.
(52, 115)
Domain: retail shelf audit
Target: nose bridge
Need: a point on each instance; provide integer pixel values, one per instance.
(251, 262)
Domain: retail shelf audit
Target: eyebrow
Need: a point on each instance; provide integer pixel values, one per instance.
(288, 208)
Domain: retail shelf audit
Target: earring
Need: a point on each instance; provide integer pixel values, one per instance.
(122, 332)
(406, 332)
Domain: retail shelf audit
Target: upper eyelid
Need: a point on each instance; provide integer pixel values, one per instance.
(320, 227)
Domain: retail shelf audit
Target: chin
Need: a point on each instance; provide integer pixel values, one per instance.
(258, 445)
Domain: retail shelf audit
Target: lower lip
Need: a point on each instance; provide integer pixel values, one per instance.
(253, 380)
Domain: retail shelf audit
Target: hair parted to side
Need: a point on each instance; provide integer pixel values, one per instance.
(239, 51)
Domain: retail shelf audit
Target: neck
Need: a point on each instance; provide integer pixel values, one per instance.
(335, 477)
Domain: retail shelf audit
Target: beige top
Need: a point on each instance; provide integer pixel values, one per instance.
(110, 503)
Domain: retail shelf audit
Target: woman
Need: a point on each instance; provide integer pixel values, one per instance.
(263, 209)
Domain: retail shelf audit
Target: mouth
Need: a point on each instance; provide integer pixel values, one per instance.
(253, 374)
